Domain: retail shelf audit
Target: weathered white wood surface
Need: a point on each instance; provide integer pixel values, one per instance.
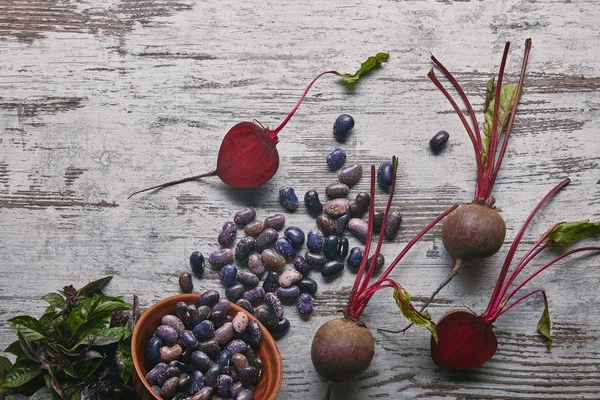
(99, 98)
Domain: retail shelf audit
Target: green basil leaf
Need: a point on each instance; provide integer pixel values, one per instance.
(27, 350)
(55, 300)
(508, 95)
(543, 326)
(5, 365)
(14, 348)
(82, 312)
(28, 326)
(110, 304)
(104, 336)
(572, 231)
(89, 366)
(124, 362)
(21, 373)
(365, 67)
(42, 394)
(94, 288)
(402, 298)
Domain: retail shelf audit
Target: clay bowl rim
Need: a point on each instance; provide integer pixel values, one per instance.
(193, 297)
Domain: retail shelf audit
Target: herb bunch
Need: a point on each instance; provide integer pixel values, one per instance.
(80, 348)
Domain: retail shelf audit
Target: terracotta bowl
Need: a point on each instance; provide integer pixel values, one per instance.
(269, 384)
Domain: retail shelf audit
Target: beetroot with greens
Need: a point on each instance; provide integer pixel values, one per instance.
(342, 348)
(248, 154)
(466, 340)
(476, 230)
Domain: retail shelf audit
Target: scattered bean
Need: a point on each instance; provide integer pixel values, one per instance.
(294, 235)
(272, 261)
(360, 205)
(359, 228)
(253, 334)
(392, 224)
(201, 360)
(189, 340)
(385, 174)
(315, 260)
(221, 257)
(209, 298)
(240, 322)
(228, 275)
(350, 174)
(288, 198)
(314, 240)
(204, 330)
(336, 190)
(307, 285)
(301, 265)
(245, 304)
(284, 247)
(256, 295)
(153, 350)
(342, 248)
(276, 221)
(355, 258)
(312, 202)
(336, 159)
(332, 226)
(271, 282)
(275, 304)
(330, 247)
(235, 292)
(342, 126)
(170, 353)
(288, 293)
(254, 228)
(245, 216)
(243, 249)
(378, 264)
(167, 334)
(266, 239)
(336, 207)
(247, 278)
(222, 305)
(332, 268)
(304, 304)
(282, 327)
(169, 388)
(197, 263)
(438, 140)
(227, 235)
(196, 381)
(377, 220)
(173, 322)
(224, 333)
(255, 264)
(195, 315)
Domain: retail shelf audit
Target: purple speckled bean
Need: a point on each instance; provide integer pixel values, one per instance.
(301, 265)
(392, 225)
(276, 221)
(255, 264)
(255, 296)
(350, 174)
(173, 322)
(245, 216)
(254, 228)
(227, 235)
(243, 249)
(275, 304)
(204, 394)
(220, 257)
(247, 278)
(304, 304)
(359, 228)
(169, 388)
(167, 334)
(224, 333)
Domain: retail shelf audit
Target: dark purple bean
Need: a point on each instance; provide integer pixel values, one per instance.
(332, 268)
(385, 174)
(350, 174)
(336, 190)
(203, 394)
(285, 248)
(392, 225)
(222, 305)
(185, 282)
(304, 304)
(235, 292)
(359, 228)
(186, 356)
(247, 278)
(288, 294)
(258, 365)
(224, 383)
(156, 389)
(183, 382)
(224, 333)
(245, 304)
(154, 373)
(377, 220)
(294, 235)
(204, 330)
(355, 258)
(228, 275)
(179, 365)
(315, 260)
(253, 334)
(275, 304)
(332, 226)
(167, 334)
(276, 221)
(243, 249)
(342, 249)
(210, 347)
(271, 282)
(201, 361)
(238, 362)
(236, 346)
(330, 247)
(182, 313)
(211, 376)
(236, 388)
(301, 265)
(255, 264)
(245, 216)
(312, 202)
(266, 239)
(223, 362)
(378, 264)
(307, 285)
(266, 316)
(168, 373)
(282, 327)
(360, 205)
(248, 375)
(288, 198)
(438, 140)
(220, 257)
(254, 228)
(208, 298)
(227, 235)
(336, 159)
(314, 240)
(273, 261)
(196, 381)
(169, 388)
(255, 295)
(197, 263)
(153, 350)
(204, 312)
(245, 394)
(189, 340)
(342, 126)
(195, 316)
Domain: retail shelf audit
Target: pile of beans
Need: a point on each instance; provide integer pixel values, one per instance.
(201, 351)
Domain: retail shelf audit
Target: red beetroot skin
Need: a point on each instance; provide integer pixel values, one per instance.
(248, 156)
(464, 341)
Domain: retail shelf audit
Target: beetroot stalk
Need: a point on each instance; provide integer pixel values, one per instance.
(466, 340)
(248, 154)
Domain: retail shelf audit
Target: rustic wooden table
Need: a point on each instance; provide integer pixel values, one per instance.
(100, 98)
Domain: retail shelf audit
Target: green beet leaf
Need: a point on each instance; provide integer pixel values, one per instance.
(365, 67)
(402, 298)
(543, 326)
(21, 373)
(568, 232)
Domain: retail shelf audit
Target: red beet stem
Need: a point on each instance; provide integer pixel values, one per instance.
(513, 111)
(177, 182)
(474, 141)
(273, 134)
(514, 303)
(465, 99)
(515, 244)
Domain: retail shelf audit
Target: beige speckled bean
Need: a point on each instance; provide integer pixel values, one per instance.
(240, 322)
(289, 277)
(336, 207)
(170, 353)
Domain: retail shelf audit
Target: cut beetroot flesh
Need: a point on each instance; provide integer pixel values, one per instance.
(464, 341)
